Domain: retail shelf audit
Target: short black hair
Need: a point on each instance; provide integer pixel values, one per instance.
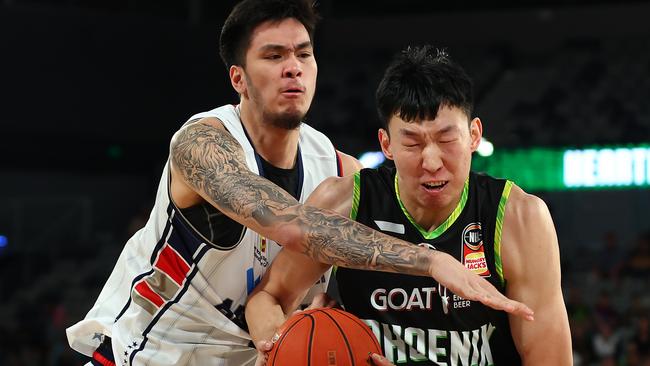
(418, 82)
(248, 14)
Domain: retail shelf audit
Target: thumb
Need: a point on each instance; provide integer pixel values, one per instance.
(264, 345)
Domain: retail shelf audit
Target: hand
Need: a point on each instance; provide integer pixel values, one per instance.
(263, 349)
(322, 300)
(450, 273)
(379, 360)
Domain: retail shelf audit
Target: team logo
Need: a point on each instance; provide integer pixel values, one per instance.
(473, 250)
(472, 236)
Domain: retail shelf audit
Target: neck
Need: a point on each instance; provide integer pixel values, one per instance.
(278, 146)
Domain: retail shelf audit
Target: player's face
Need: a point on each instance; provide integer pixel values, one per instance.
(280, 72)
(432, 158)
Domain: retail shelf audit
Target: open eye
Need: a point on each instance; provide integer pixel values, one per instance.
(273, 56)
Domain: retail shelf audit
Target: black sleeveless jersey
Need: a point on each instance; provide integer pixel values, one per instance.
(416, 320)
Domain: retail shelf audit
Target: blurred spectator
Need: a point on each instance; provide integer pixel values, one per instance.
(638, 263)
(581, 341)
(607, 361)
(603, 310)
(611, 257)
(606, 342)
(576, 306)
(642, 336)
(631, 356)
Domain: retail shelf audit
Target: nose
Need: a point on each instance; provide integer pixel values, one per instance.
(292, 69)
(431, 159)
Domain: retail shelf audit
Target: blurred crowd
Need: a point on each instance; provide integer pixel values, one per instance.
(608, 301)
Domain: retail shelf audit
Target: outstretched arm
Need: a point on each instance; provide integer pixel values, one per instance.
(291, 274)
(212, 163)
(531, 263)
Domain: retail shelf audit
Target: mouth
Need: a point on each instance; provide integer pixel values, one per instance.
(293, 91)
(434, 186)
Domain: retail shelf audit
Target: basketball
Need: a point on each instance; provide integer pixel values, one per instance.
(323, 337)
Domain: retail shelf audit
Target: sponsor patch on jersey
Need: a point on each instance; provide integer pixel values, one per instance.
(262, 244)
(473, 250)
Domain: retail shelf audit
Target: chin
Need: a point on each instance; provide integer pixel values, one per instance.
(289, 120)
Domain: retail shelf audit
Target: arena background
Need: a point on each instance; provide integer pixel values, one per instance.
(92, 91)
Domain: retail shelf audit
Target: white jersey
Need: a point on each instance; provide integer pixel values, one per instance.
(174, 298)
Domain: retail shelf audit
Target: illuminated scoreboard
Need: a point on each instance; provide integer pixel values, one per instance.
(555, 169)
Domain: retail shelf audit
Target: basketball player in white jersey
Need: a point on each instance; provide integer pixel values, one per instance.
(231, 190)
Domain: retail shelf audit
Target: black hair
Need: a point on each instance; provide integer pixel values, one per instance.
(248, 14)
(418, 82)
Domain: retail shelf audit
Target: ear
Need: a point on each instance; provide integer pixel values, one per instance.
(384, 142)
(238, 80)
(475, 133)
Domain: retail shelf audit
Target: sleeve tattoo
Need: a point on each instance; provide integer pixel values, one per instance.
(212, 162)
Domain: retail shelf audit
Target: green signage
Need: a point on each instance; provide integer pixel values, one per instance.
(545, 169)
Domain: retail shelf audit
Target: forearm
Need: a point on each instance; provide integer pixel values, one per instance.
(330, 238)
(554, 353)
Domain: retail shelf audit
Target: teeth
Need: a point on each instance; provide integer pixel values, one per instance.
(434, 184)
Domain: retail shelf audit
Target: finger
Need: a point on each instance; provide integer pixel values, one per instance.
(487, 294)
(379, 360)
(264, 346)
(319, 301)
(495, 299)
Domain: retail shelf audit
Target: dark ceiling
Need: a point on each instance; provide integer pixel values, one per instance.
(211, 11)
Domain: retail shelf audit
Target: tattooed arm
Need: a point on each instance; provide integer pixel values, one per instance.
(211, 162)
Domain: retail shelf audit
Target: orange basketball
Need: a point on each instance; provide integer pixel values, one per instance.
(323, 337)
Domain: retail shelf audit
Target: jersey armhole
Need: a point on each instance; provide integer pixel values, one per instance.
(501, 211)
(354, 210)
(356, 196)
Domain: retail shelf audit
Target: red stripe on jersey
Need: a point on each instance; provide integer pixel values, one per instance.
(339, 164)
(145, 291)
(172, 264)
(101, 359)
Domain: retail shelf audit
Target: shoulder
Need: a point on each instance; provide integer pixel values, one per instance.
(529, 238)
(200, 123)
(334, 193)
(523, 208)
(349, 163)
(199, 128)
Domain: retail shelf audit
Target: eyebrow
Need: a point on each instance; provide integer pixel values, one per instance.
(279, 47)
(408, 133)
(450, 128)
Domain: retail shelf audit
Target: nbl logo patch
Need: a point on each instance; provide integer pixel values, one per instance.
(473, 250)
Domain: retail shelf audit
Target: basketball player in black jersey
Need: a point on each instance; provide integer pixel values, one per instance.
(489, 225)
